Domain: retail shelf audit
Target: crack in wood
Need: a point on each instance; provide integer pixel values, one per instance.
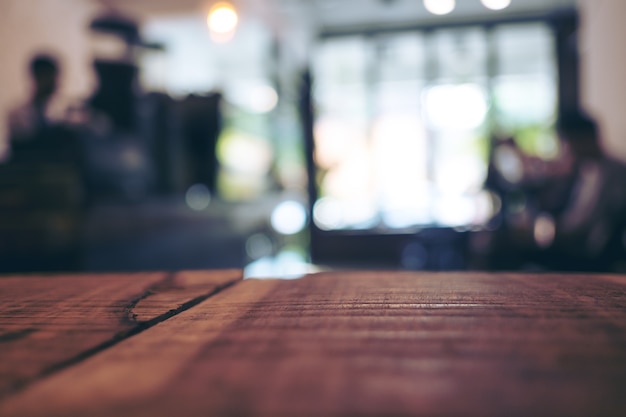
(12, 336)
(129, 318)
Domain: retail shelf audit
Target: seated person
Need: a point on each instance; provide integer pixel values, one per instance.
(597, 200)
(574, 206)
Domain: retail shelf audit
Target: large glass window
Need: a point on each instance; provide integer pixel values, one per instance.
(456, 104)
(524, 89)
(342, 134)
(404, 121)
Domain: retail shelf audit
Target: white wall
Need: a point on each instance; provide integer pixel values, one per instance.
(603, 53)
(31, 26)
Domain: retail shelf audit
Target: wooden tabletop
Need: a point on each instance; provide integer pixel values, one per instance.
(329, 344)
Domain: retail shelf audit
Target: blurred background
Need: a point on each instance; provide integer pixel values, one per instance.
(283, 136)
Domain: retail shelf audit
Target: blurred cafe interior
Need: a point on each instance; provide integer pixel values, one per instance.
(285, 136)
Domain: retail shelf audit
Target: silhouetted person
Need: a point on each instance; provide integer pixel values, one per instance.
(597, 201)
(575, 206)
(201, 126)
(39, 129)
(46, 172)
(36, 116)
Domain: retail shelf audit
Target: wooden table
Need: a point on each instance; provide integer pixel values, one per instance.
(330, 344)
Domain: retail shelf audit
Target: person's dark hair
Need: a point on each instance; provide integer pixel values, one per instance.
(581, 132)
(577, 125)
(43, 64)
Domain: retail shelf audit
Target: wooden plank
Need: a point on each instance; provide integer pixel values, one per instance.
(365, 343)
(49, 322)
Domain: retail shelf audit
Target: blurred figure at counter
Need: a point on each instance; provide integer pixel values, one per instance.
(41, 185)
(42, 129)
(37, 114)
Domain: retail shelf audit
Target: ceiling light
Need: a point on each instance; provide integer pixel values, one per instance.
(496, 4)
(439, 7)
(222, 19)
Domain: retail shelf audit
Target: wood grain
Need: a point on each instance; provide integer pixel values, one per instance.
(365, 344)
(49, 322)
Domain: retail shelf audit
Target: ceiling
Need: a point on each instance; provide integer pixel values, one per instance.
(338, 14)
(333, 14)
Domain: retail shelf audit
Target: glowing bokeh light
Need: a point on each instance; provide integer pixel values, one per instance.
(258, 246)
(263, 99)
(289, 217)
(222, 18)
(456, 107)
(544, 230)
(509, 164)
(255, 96)
(327, 213)
(198, 197)
(496, 4)
(287, 264)
(245, 154)
(440, 7)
